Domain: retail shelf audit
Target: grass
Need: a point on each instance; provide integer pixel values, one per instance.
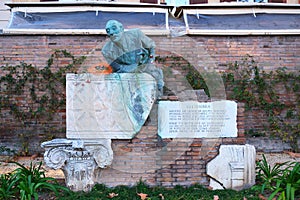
(27, 183)
(137, 192)
(281, 181)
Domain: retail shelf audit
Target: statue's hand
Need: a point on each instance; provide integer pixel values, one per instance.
(127, 68)
(144, 57)
(151, 59)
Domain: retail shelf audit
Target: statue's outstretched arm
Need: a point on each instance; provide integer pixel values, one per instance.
(149, 45)
(119, 68)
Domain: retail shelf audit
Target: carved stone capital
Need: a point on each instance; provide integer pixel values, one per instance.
(55, 157)
(78, 159)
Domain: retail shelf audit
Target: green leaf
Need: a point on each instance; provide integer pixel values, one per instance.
(274, 193)
(288, 191)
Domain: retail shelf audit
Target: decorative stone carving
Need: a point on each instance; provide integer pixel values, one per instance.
(102, 155)
(233, 168)
(78, 159)
(99, 108)
(79, 171)
(108, 106)
(237, 174)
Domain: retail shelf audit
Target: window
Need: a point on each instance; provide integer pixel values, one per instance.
(277, 1)
(198, 1)
(201, 19)
(241, 21)
(227, 1)
(88, 19)
(149, 1)
(254, 1)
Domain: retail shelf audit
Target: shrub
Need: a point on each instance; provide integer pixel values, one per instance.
(7, 186)
(282, 180)
(288, 186)
(26, 183)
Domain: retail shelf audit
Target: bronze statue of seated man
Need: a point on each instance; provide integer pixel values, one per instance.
(131, 52)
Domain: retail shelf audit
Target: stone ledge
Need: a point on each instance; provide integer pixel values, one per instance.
(267, 145)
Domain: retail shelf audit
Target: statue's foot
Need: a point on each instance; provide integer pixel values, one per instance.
(160, 93)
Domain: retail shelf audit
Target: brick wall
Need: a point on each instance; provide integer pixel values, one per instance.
(205, 52)
(27, 136)
(166, 162)
(271, 52)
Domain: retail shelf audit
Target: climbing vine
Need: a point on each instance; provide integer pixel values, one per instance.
(31, 94)
(275, 93)
(272, 95)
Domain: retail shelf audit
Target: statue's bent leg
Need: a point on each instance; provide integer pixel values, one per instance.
(158, 75)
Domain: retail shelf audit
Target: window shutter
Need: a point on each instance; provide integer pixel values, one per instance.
(277, 1)
(198, 1)
(149, 1)
(227, 1)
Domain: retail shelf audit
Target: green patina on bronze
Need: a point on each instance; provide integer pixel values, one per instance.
(131, 52)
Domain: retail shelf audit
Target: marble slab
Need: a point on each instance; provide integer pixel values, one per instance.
(191, 119)
(234, 167)
(113, 106)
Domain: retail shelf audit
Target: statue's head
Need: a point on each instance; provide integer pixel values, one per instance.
(114, 30)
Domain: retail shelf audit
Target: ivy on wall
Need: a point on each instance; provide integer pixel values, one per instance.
(33, 95)
(276, 94)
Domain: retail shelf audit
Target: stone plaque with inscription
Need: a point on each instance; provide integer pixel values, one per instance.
(193, 119)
